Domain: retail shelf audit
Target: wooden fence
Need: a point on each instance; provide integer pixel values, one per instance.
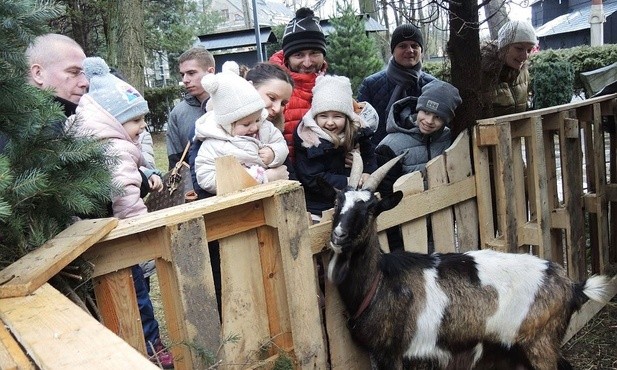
(543, 181)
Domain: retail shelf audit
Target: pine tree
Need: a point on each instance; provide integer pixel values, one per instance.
(351, 52)
(47, 175)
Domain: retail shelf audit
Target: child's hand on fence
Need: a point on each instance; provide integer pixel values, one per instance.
(266, 154)
(277, 173)
(155, 182)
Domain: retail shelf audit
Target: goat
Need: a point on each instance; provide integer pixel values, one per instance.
(447, 308)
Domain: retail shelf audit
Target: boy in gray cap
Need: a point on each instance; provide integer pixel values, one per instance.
(421, 136)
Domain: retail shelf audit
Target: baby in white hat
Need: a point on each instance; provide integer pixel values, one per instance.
(236, 124)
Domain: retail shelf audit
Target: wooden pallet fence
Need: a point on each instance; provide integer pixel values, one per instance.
(541, 181)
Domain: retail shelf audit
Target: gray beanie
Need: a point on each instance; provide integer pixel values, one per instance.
(333, 93)
(303, 33)
(516, 31)
(441, 98)
(406, 32)
(117, 97)
(231, 96)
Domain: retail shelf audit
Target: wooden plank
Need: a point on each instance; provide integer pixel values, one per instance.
(600, 179)
(109, 256)
(12, 356)
(588, 311)
(442, 220)
(522, 180)
(287, 213)
(540, 203)
(344, 353)
(243, 299)
(571, 159)
(550, 151)
(117, 302)
(235, 220)
(274, 290)
(188, 211)
(484, 199)
(504, 188)
(60, 336)
(486, 134)
(188, 294)
(415, 232)
(231, 175)
(459, 167)
(34, 269)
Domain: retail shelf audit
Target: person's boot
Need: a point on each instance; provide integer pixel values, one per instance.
(162, 357)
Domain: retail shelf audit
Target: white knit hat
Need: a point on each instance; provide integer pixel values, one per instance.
(231, 96)
(516, 31)
(333, 93)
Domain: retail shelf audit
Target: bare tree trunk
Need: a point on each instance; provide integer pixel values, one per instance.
(369, 7)
(496, 16)
(111, 22)
(464, 53)
(130, 52)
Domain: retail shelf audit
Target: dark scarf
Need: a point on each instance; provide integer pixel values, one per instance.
(404, 79)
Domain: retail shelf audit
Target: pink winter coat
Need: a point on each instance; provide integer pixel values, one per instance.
(92, 120)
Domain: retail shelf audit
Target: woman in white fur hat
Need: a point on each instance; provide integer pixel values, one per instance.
(236, 124)
(505, 74)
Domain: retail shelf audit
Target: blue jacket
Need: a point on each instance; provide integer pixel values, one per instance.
(326, 162)
(377, 89)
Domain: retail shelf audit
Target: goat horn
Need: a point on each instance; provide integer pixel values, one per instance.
(356, 169)
(376, 177)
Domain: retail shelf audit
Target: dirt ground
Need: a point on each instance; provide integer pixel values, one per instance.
(595, 346)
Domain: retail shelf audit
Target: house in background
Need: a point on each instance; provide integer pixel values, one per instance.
(563, 24)
(238, 14)
(240, 45)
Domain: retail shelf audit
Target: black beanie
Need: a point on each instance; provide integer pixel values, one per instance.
(406, 32)
(303, 33)
(441, 98)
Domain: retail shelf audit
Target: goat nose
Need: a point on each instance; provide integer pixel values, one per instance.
(339, 233)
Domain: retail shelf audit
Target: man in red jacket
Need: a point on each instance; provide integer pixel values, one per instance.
(304, 50)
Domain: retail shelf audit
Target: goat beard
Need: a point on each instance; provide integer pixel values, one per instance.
(338, 268)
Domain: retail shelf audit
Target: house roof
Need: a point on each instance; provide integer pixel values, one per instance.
(236, 39)
(574, 21)
(246, 37)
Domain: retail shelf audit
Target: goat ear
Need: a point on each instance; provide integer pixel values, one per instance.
(326, 189)
(388, 202)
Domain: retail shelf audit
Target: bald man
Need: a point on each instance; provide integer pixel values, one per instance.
(56, 63)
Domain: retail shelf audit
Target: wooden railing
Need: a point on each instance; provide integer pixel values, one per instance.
(541, 182)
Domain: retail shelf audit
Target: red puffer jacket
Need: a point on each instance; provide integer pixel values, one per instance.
(300, 101)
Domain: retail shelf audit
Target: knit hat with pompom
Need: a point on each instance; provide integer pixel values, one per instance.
(231, 96)
(333, 93)
(117, 97)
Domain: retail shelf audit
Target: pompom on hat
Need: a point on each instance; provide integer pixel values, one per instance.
(231, 96)
(516, 31)
(303, 33)
(117, 97)
(441, 98)
(333, 93)
(406, 32)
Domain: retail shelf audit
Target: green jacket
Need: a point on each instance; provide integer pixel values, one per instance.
(504, 90)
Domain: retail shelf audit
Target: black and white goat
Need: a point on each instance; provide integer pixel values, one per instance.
(448, 308)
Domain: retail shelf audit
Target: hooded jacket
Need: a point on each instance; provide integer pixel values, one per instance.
(404, 136)
(504, 90)
(216, 142)
(92, 120)
(300, 101)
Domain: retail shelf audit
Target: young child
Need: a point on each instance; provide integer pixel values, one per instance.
(324, 139)
(236, 124)
(114, 111)
(420, 136)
